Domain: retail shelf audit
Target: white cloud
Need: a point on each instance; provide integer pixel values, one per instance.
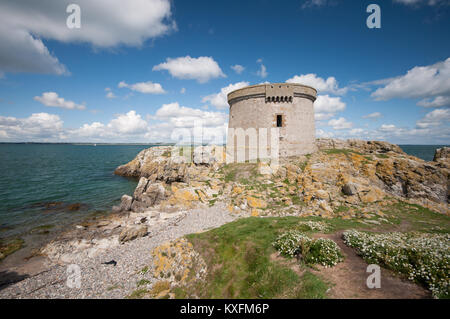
(144, 87)
(420, 2)
(262, 72)
(129, 123)
(375, 115)
(423, 82)
(356, 131)
(52, 99)
(105, 23)
(128, 127)
(238, 68)
(219, 100)
(388, 127)
(201, 69)
(325, 107)
(183, 90)
(321, 85)
(110, 94)
(438, 101)
(435, 118)
(314, 3)
(340, 124)
(181, 116)
(323, 134)
(39, 126)
(23, 52)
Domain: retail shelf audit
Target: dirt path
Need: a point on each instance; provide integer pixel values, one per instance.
(349, 277)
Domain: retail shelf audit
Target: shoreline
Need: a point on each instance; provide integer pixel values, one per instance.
(172, 199)
(130, 256)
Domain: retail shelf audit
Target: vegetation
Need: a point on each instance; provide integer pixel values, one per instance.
(240, 263)
(424, 258)
(312, 251)
(333, 151)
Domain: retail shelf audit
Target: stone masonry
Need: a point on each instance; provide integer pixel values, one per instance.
(284, 108)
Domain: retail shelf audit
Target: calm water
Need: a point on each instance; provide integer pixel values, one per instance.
(32, 174)
(425, 152)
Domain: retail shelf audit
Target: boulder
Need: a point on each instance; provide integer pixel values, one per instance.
(140, 188)
(442, 154)
(126, 203)
(132, 233)
(350, 189)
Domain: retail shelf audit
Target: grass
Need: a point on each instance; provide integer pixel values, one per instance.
(418, 218)
(246, 173)
(239, 260)
(143, 282)
(333, 151)
(312, 287)
(138, 294)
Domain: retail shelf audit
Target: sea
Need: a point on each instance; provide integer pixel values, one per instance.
(47, 186)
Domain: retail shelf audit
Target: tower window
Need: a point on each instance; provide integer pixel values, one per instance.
(279, 120)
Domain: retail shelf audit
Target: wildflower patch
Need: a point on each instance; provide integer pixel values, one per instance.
(321, 251)
(424, 258)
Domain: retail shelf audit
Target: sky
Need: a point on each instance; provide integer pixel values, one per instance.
(137, 70)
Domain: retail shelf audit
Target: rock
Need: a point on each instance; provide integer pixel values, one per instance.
(154, 194)
(140, 188)
(254, 202)
(126, 202)
(132, 233)
(442, 154)
(350, 189)
(321, 194)
(373, 195)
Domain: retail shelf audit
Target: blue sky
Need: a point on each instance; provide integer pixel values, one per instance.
(133, 72)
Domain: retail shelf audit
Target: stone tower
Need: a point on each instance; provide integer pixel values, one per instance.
(284, 108)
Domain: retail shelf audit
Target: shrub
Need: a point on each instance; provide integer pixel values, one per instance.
(289, 243)
(424, 258)
(319, 251)
(324, 252)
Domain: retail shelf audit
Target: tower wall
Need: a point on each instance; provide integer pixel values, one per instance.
(258, 106)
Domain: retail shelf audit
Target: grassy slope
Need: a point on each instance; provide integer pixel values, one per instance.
(239, 260)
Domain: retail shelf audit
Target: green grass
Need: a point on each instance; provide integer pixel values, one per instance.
(333, 151)
(138, 294)
(142, 282)
(246, 173)
(381, 155)
(312, 287)
(239, 260)
(418, 218)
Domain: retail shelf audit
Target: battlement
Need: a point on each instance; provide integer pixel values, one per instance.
(273, 93)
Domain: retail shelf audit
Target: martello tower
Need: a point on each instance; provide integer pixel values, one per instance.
(285, 106)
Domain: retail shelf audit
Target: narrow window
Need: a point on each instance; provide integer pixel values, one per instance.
(279, 120)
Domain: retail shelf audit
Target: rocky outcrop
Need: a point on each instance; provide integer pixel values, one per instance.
(358, 145)
(442, 154)
(350, 173)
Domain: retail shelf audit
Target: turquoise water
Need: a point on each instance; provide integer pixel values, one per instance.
(34, 174)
